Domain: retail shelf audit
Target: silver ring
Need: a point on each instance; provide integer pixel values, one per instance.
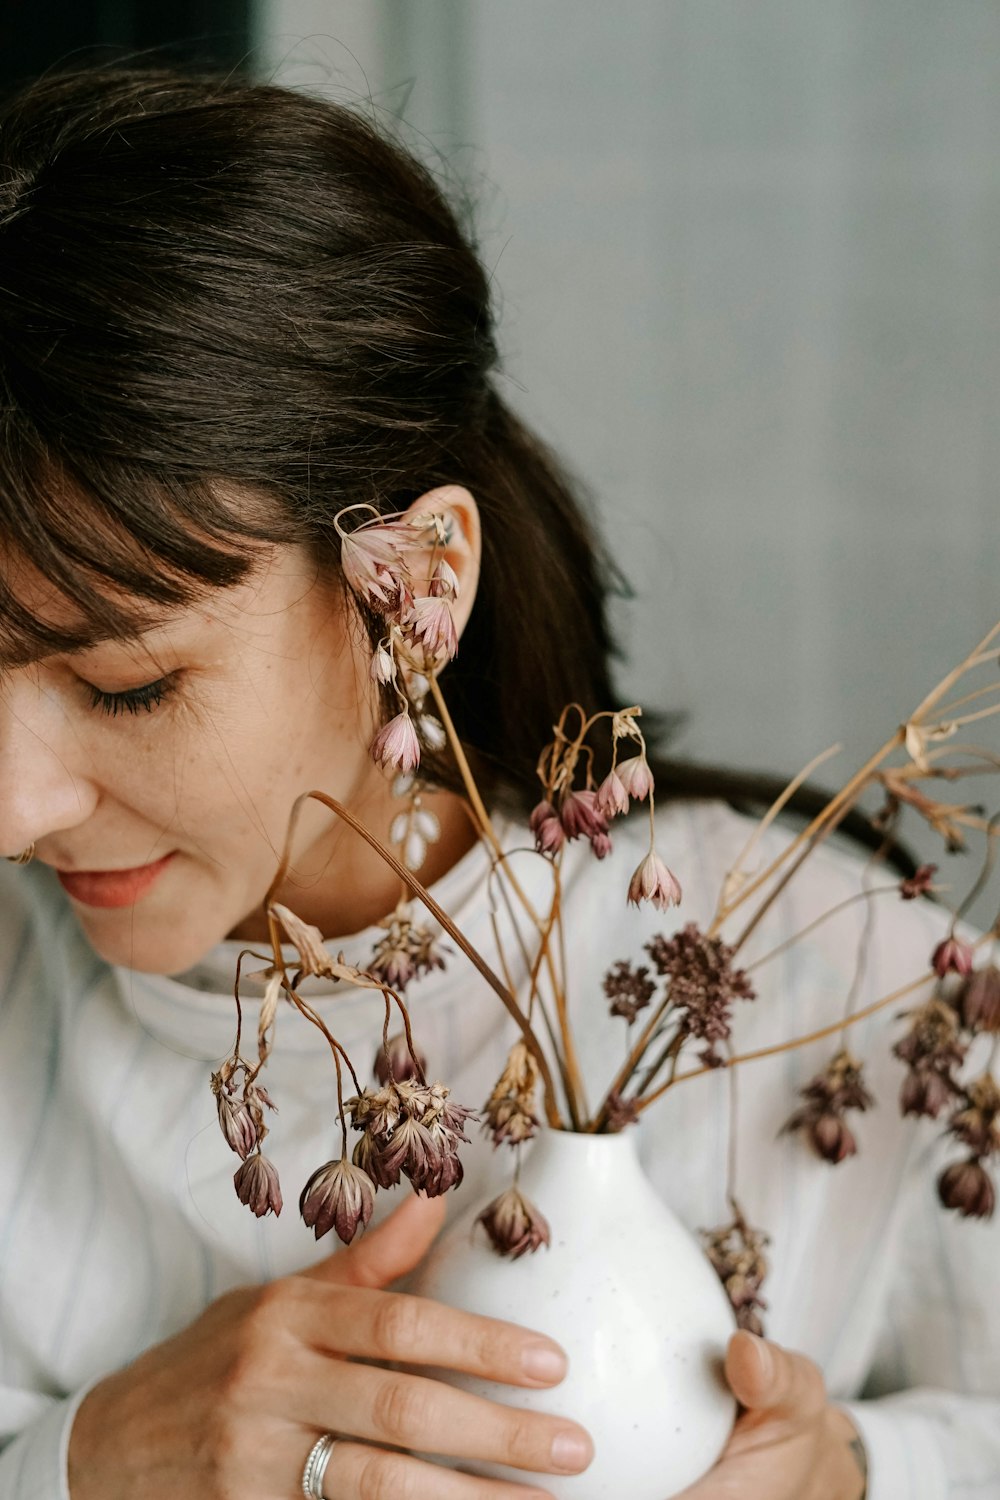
(315, 1470)
(25, 856)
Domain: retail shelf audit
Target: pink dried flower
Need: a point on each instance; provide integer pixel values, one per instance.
(968, 1188)
(236, 1123)
(952, 956)
(978, 1000)
(580, 815)
(600, 844)
(395, 747)
(372, 559)
(933, 1048)
(337, 1196)
(548, 831)
(828, 1097)
(926, 1092)
(636, 777)
(383, 667)
(919, 883)
(612, 798)
(652, 881)
(444, 583)
(407, 951)
(432, 624)
(257, 1186)
(514, 1224)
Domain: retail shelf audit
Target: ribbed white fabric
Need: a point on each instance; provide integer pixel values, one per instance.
(118, 1221)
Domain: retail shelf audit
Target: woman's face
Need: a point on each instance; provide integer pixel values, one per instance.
(164, 808)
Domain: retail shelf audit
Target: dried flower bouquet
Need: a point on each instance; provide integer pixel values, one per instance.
(681, 999)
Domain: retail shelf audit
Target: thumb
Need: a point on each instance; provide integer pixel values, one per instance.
(764, 1376)
(398, 1244)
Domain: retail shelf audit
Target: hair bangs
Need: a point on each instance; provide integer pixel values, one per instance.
(93, 550)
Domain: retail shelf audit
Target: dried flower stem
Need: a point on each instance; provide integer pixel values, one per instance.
(413, 884)
(797, 937)
(508, 977)
(736, 870)
(810, 837)
(572, 1080)
(791, 1046)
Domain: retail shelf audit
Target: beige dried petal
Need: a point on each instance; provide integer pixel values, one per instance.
(268, 1010)
(306, 940)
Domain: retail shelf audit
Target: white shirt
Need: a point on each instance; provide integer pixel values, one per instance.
(119, 1223)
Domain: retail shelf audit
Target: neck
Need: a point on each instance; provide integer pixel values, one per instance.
(349, 886)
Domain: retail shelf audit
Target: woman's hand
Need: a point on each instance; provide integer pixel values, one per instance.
(789, 1443)
(229, 1408)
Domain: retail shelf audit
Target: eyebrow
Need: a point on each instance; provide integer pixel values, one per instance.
(27, 656)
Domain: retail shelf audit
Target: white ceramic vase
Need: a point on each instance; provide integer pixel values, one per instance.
(629, 1294)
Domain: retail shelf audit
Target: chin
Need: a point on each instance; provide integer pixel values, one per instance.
(148, 945)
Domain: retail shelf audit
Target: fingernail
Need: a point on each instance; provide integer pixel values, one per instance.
(766, 1360)
(571, 1452)
(543, 1362)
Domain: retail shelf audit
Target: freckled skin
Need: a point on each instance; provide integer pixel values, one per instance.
(272, 698)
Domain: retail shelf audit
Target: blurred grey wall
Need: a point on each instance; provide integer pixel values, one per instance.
(748, 258)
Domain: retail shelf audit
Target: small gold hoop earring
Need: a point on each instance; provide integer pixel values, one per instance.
(25, 856)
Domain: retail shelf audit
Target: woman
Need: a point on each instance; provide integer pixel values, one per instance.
(228, 312)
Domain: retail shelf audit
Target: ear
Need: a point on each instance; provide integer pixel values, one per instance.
(464, 548)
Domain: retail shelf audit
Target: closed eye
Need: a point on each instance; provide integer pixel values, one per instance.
(133, 700)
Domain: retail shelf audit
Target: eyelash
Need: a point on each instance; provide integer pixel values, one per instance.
(135, 700)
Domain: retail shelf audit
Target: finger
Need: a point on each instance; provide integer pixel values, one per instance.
(413, 1411)
(764, 1376)
(356, 1469)
(398, 1244)
(394, 1326)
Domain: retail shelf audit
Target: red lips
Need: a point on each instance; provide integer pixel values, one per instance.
(112, 888)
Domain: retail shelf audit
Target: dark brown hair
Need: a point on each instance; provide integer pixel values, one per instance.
(206, 280)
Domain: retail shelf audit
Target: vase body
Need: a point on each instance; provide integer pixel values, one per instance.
(631, 1297)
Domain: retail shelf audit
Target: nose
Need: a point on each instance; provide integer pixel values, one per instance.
(46, 779)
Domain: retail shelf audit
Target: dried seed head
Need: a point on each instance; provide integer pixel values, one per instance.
(828, 1096)
(621, 1112)
(509, 1112)
(968, 1188)
(919, 883)
(337, 1196)
(737, 1253)
(514, 1225)
(256, 1183)
(704, 984)
(977, 1120)
(926, 1092)
(629, 989)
